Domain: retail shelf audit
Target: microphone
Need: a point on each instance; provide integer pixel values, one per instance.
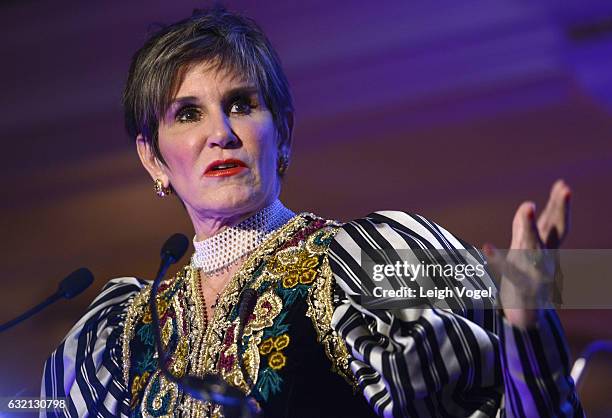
(248, 299)
(209, 388)
(69, 287)
(174, 248)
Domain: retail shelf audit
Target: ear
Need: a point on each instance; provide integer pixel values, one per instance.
(286, 147)
(154, 167)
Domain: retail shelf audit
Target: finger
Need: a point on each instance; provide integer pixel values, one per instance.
(553, 223)
(495, 259)
(515, 267)
(525, 235)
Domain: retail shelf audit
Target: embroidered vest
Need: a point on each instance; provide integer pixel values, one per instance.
(288, 346)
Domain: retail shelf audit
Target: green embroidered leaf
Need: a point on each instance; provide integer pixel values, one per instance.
(268, 383)
(290, 295)
(147, 363)
(277, 328)
(146, 334)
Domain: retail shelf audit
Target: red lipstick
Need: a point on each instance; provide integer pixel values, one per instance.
(225, 168)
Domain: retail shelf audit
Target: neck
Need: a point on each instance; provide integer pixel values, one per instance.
(209, 224)
(235, 239)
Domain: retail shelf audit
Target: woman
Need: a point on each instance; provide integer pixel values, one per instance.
(211, 112)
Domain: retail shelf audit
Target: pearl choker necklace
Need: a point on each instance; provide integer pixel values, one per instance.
(215, 254)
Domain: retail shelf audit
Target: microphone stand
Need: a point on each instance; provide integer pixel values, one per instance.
(75, 283)
(596, 347)
(30, 312)
(209, 388)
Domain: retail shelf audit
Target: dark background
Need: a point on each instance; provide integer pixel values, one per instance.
(455, 110)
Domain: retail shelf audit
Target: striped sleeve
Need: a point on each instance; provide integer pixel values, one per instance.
(535, 364)
(424, 361)
(86, 368)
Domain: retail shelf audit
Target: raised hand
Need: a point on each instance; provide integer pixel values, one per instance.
(528, 270)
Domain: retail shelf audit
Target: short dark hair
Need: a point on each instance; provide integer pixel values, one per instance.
(224, 39)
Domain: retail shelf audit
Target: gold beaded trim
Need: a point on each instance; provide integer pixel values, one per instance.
(135, 312)
(320, 311)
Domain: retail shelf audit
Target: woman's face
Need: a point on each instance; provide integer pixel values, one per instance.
(219, 144)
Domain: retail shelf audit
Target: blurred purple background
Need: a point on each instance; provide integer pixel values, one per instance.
(458, 111)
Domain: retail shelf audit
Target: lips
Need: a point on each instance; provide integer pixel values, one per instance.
(224, 168)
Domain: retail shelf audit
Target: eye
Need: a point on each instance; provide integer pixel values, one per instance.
(188, 114)
(242, 106)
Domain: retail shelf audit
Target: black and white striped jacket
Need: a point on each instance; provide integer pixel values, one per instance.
(417, 362)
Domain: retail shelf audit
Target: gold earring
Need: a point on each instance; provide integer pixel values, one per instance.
(160, 190)
(283, 163)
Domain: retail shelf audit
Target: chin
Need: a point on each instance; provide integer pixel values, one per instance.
(237, 202)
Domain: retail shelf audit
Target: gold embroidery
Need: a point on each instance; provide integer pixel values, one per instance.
(202, 348)
(180, 358)
(165, 390)
(139, 310)
(267, 308)
(137, 385)
(162, 305)
(281, 341)
(266, 346)
(134, 313)
(296, 265)
(277, 360)
(210, 340)
(229, 298)
(166, 332)
(320, 310)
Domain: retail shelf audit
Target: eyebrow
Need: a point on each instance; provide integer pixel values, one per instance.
(246, 90)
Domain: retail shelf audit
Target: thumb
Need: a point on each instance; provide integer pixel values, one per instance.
(495, 261)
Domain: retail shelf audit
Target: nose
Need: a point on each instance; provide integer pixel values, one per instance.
(221, 133)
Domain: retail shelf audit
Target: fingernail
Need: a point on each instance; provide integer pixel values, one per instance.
(532, 211)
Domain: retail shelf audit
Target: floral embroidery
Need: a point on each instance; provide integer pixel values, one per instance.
(150, 392)
(146, 334)
(138, 385)
(295, 269)
(268, 383)
(266, 346)
(146, 363)
(277, 360)
(267, 308)
(281, 341)
(291, 280)
(296, 266)
(283, 272)
(159, 398)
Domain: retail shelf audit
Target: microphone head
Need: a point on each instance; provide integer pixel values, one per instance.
(174, 248)
(75, 283)
(248, 300)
